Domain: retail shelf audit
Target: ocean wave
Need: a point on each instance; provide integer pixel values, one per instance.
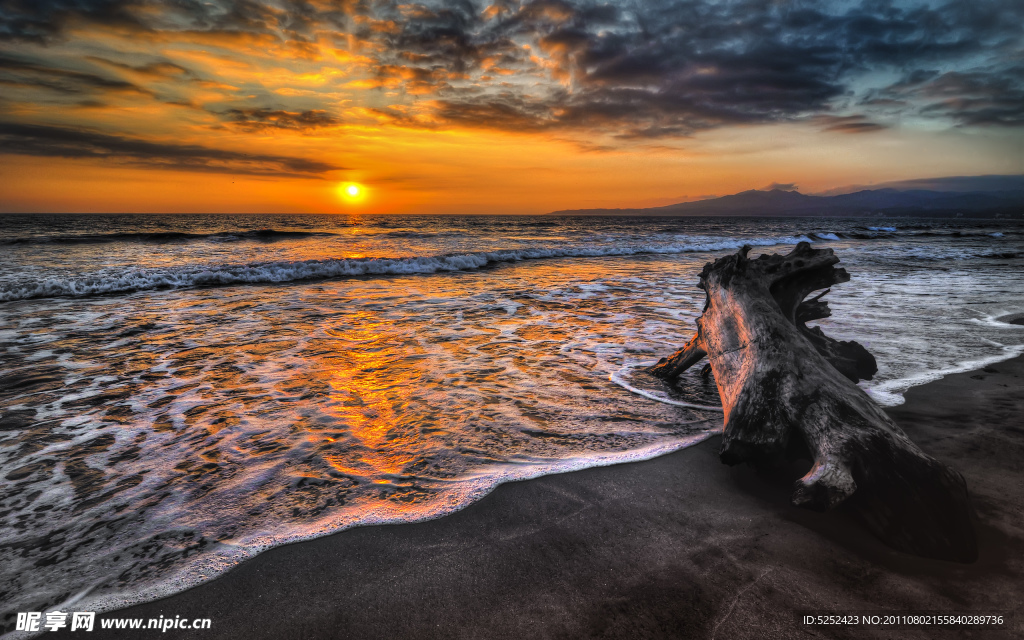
(945, 254)
(890, 393)
(872, 235)
(282, 272)
(406, 233)
(264, 235)
(877, 233)
(859, 233)
(955, 234)
(819, 235)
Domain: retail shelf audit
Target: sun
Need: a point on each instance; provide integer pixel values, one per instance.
(351, 191)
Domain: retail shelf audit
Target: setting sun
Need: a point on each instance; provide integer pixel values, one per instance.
(351, 191)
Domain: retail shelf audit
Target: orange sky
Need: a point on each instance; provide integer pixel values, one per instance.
(509, 108)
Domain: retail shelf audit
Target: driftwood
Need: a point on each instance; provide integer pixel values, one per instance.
(788, 392)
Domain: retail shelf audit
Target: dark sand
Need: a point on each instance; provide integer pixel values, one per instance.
(677, 547)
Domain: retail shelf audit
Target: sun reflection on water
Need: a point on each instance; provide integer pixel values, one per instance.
(259, 414)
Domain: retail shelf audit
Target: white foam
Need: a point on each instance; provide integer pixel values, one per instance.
(227, 555)
(616, 378)
(890, 393)
(279, 272)
(998, 321)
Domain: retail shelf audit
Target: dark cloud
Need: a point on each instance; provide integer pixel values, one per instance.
(44, 20)
(294, 22)
(26, 73)
(849, 124)
(671, 68)
(648, 69)
(158, 69)
(952, 183)
(428, 46)
(64, 142)
(968, 98)
(507, 110)
(260, 119)
(855, 127)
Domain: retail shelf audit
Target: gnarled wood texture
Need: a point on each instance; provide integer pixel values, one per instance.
(788, 391)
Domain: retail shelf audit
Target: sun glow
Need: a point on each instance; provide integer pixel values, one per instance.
(351, 191)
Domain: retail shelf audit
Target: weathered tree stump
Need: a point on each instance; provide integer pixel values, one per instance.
(788, 392)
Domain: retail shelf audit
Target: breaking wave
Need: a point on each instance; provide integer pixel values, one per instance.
(878, 233)
(207, 275)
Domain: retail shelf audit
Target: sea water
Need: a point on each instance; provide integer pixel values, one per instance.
(181, 392)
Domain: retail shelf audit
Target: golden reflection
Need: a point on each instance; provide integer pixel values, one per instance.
(368, 397)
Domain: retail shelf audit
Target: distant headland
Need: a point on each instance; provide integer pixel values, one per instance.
(975, 196)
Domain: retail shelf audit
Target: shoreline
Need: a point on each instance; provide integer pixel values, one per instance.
(676, 546)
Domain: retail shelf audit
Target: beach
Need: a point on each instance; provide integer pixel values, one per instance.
(680, 546)
(344, 319)
(388, 425)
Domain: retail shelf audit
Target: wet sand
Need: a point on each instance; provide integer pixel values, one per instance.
(681, 546)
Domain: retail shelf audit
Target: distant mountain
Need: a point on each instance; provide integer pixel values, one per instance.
(917, 202)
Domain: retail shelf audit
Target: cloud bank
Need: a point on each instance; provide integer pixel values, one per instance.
(627, 71)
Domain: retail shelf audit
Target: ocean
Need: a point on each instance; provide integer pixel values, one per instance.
(181, 392)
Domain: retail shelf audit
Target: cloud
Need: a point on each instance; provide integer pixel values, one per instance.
(45, 20)
(27, 73)
(674, 68)
(848, 124)
(627, 70)
(259, 119)
(159, 69)
(973, 98)
(780, 186)
(951, 183)
(66, 142)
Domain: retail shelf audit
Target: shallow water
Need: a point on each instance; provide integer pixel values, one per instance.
(178, 393)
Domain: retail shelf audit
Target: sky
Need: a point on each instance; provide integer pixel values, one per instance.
(495, 106)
